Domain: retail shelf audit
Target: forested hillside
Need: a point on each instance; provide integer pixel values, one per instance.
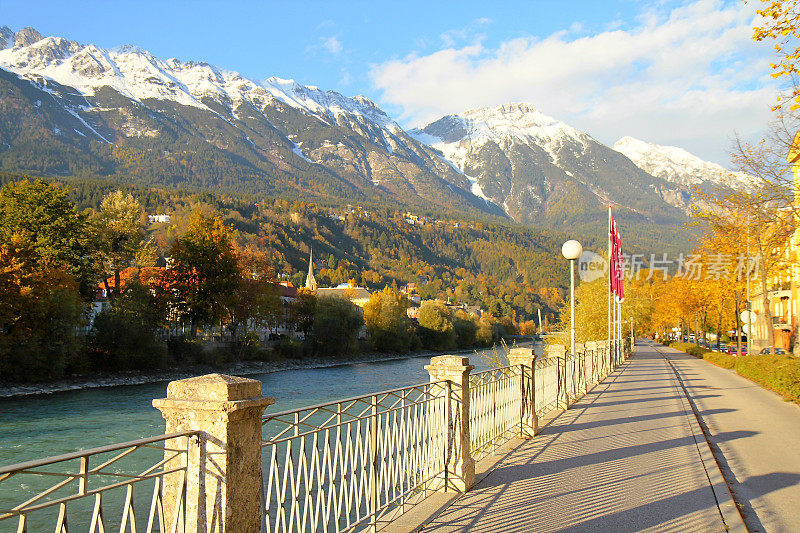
(510, 270)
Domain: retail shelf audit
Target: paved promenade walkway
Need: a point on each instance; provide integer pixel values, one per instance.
(629, 456)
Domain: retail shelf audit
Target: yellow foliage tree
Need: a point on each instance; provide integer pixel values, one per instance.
(781, 24)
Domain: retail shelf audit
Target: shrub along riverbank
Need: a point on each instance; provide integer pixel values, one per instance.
(779, 373)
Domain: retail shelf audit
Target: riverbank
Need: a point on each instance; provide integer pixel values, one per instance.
(240, 368)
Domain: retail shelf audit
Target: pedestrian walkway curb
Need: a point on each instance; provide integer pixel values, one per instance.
(728, 508)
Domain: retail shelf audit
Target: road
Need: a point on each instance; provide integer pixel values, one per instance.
(756, 435)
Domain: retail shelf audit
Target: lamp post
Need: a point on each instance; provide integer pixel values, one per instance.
(572, 250)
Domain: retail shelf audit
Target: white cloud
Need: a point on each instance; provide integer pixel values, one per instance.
(332, 45)
(688, 77)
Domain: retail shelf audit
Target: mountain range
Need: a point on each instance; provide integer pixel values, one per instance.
(68, 109)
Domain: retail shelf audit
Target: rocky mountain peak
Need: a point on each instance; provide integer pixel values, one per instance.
(366, 102)
(26, 37)
(517, 119)
(6, 37)
(676, 165)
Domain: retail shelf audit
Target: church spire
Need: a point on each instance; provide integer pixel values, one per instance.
(311, 283)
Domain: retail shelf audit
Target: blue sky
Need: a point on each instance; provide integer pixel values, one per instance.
(682, 73)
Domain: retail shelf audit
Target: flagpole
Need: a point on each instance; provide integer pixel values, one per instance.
(610, 273)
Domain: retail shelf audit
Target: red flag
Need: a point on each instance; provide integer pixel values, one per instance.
(620, 267)
(615, 265)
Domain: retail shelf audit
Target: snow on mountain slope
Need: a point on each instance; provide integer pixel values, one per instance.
(679, 166)
(276, 125)
(540, 169)
(455, 135)
(140, 75)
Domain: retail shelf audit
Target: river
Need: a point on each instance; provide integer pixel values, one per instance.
(38, 426)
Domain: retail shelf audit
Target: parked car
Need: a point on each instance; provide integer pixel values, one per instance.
(778, 351)
(723, 347)
(732, 349)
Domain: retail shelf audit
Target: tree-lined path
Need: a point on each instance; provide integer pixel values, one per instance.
(629, 456)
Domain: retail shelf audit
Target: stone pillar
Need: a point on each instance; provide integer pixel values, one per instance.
(559, 352)
(525, 359)
(223, 463)
(460, 476)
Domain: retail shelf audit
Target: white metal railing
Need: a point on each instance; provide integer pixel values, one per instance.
(495, 408)
(572, 376)
(110, 488)
(349, 464)
(546, 383)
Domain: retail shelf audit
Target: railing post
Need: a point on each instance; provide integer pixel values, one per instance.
(223, 463)
(580, 360)
(373, 472)
(525, 358)
(559, 352)
(460, 466)
(591, 352)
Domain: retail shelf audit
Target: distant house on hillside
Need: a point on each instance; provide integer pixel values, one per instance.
(162, 218)
(358, 295)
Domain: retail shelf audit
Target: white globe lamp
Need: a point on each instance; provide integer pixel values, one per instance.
(571, 250)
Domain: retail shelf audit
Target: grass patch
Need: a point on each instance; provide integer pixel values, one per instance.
(779, 373)
(690, 348)
(721, 359)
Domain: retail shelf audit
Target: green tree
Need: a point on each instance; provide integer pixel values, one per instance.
(436, 329)
(302, 311)
(202, 282)
(120, 235)
(258, 304)
(124, 336)
(58, 236)
(336, 326)
(466, 329)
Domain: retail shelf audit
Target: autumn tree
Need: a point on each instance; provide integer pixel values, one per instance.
(780, 24)
(436, 329)
(40, 309)
(386, 321)
(748, 227)
(203, 277)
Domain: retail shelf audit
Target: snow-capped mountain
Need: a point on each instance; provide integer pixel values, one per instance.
(125, 114)
(538, 168)
(270, 134)
(679, 166)
(139, 75)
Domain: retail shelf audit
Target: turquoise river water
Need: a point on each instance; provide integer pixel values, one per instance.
(38, 426)
(44, 425)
